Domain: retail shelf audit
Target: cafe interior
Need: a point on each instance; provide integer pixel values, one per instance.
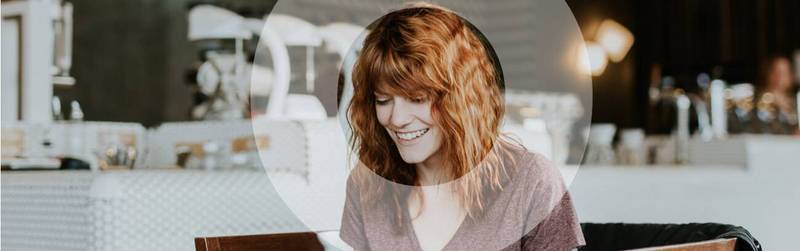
(218, 124)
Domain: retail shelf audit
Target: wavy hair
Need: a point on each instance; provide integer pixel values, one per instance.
(427, 51)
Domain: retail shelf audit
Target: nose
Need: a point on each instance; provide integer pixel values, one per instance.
(401, 113)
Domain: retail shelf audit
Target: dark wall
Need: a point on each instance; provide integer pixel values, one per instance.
(688, 37)
(130, 58)
(613, 92)
(113, 69)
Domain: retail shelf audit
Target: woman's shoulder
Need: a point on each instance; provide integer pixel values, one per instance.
(360, 175)
(538, 183)
(532, 168)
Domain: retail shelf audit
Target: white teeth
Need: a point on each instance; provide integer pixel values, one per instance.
(411, 135)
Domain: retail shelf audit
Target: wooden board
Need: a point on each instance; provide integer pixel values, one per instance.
(711, 245)
(284, 241)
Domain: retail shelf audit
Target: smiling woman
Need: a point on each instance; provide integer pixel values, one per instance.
(434, 171)
(411, 127)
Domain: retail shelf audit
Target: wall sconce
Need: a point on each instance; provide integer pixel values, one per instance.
(613, 42)
(615, 39)
(593, 59)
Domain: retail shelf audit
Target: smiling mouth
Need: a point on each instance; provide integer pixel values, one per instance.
(412, 134)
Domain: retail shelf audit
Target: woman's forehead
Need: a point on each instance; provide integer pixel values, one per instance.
(405, 89)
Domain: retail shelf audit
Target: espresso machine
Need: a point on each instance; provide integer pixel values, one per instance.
(230, 76)
(222, 90)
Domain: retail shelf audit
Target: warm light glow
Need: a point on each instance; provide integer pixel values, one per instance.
(615, 39)
(592, 59)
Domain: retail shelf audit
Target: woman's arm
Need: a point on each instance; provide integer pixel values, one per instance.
(559, 231)
(352, 229)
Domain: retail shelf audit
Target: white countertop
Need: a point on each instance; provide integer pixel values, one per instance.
(763, 196)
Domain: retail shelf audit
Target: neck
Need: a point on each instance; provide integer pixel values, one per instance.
(430, 171)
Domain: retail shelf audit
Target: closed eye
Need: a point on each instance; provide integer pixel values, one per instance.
(382, 100)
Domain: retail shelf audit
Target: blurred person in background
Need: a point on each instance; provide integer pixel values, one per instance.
(776, 107)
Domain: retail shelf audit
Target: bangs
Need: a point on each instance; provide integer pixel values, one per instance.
(402, 75)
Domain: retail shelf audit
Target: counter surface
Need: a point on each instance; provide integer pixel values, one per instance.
(763, 196)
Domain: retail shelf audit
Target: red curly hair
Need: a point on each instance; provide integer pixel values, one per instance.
(430, 52)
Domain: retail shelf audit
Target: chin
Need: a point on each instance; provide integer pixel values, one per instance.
(412, 158)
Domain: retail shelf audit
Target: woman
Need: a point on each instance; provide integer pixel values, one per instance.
(776, 102)
(434, 172)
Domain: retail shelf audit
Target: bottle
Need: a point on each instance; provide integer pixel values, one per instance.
(797, 102)
(75, 131)
(631, 149)
(719, 119)
(599, 150)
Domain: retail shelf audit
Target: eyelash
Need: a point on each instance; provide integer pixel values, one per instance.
(414, 100)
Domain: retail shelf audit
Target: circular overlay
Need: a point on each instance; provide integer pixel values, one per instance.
(301, 90)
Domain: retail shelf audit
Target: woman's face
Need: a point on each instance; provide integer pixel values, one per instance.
(410, 125)
(780, 76)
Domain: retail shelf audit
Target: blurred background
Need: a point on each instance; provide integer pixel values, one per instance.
(138, 52)
(679, 40)
(140, 124)
(730, 40)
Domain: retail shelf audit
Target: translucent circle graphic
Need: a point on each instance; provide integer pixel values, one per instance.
(301, 90)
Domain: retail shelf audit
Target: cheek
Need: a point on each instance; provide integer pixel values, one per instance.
(787, 75)
(425, 113)
(437, 137)
(383, 113)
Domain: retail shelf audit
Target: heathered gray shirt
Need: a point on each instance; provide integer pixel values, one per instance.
(532, 212)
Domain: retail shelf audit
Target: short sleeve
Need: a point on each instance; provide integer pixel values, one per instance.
(552, 218)
(559, 231)
(352, 230)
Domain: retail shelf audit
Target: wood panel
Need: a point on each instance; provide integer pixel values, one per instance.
(710, 245)
(283, 241)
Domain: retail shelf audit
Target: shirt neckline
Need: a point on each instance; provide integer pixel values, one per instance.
(413, 234)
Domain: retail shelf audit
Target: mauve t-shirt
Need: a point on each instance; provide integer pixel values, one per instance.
(533, 211)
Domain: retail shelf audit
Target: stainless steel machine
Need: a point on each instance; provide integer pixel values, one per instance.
(37, 54)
